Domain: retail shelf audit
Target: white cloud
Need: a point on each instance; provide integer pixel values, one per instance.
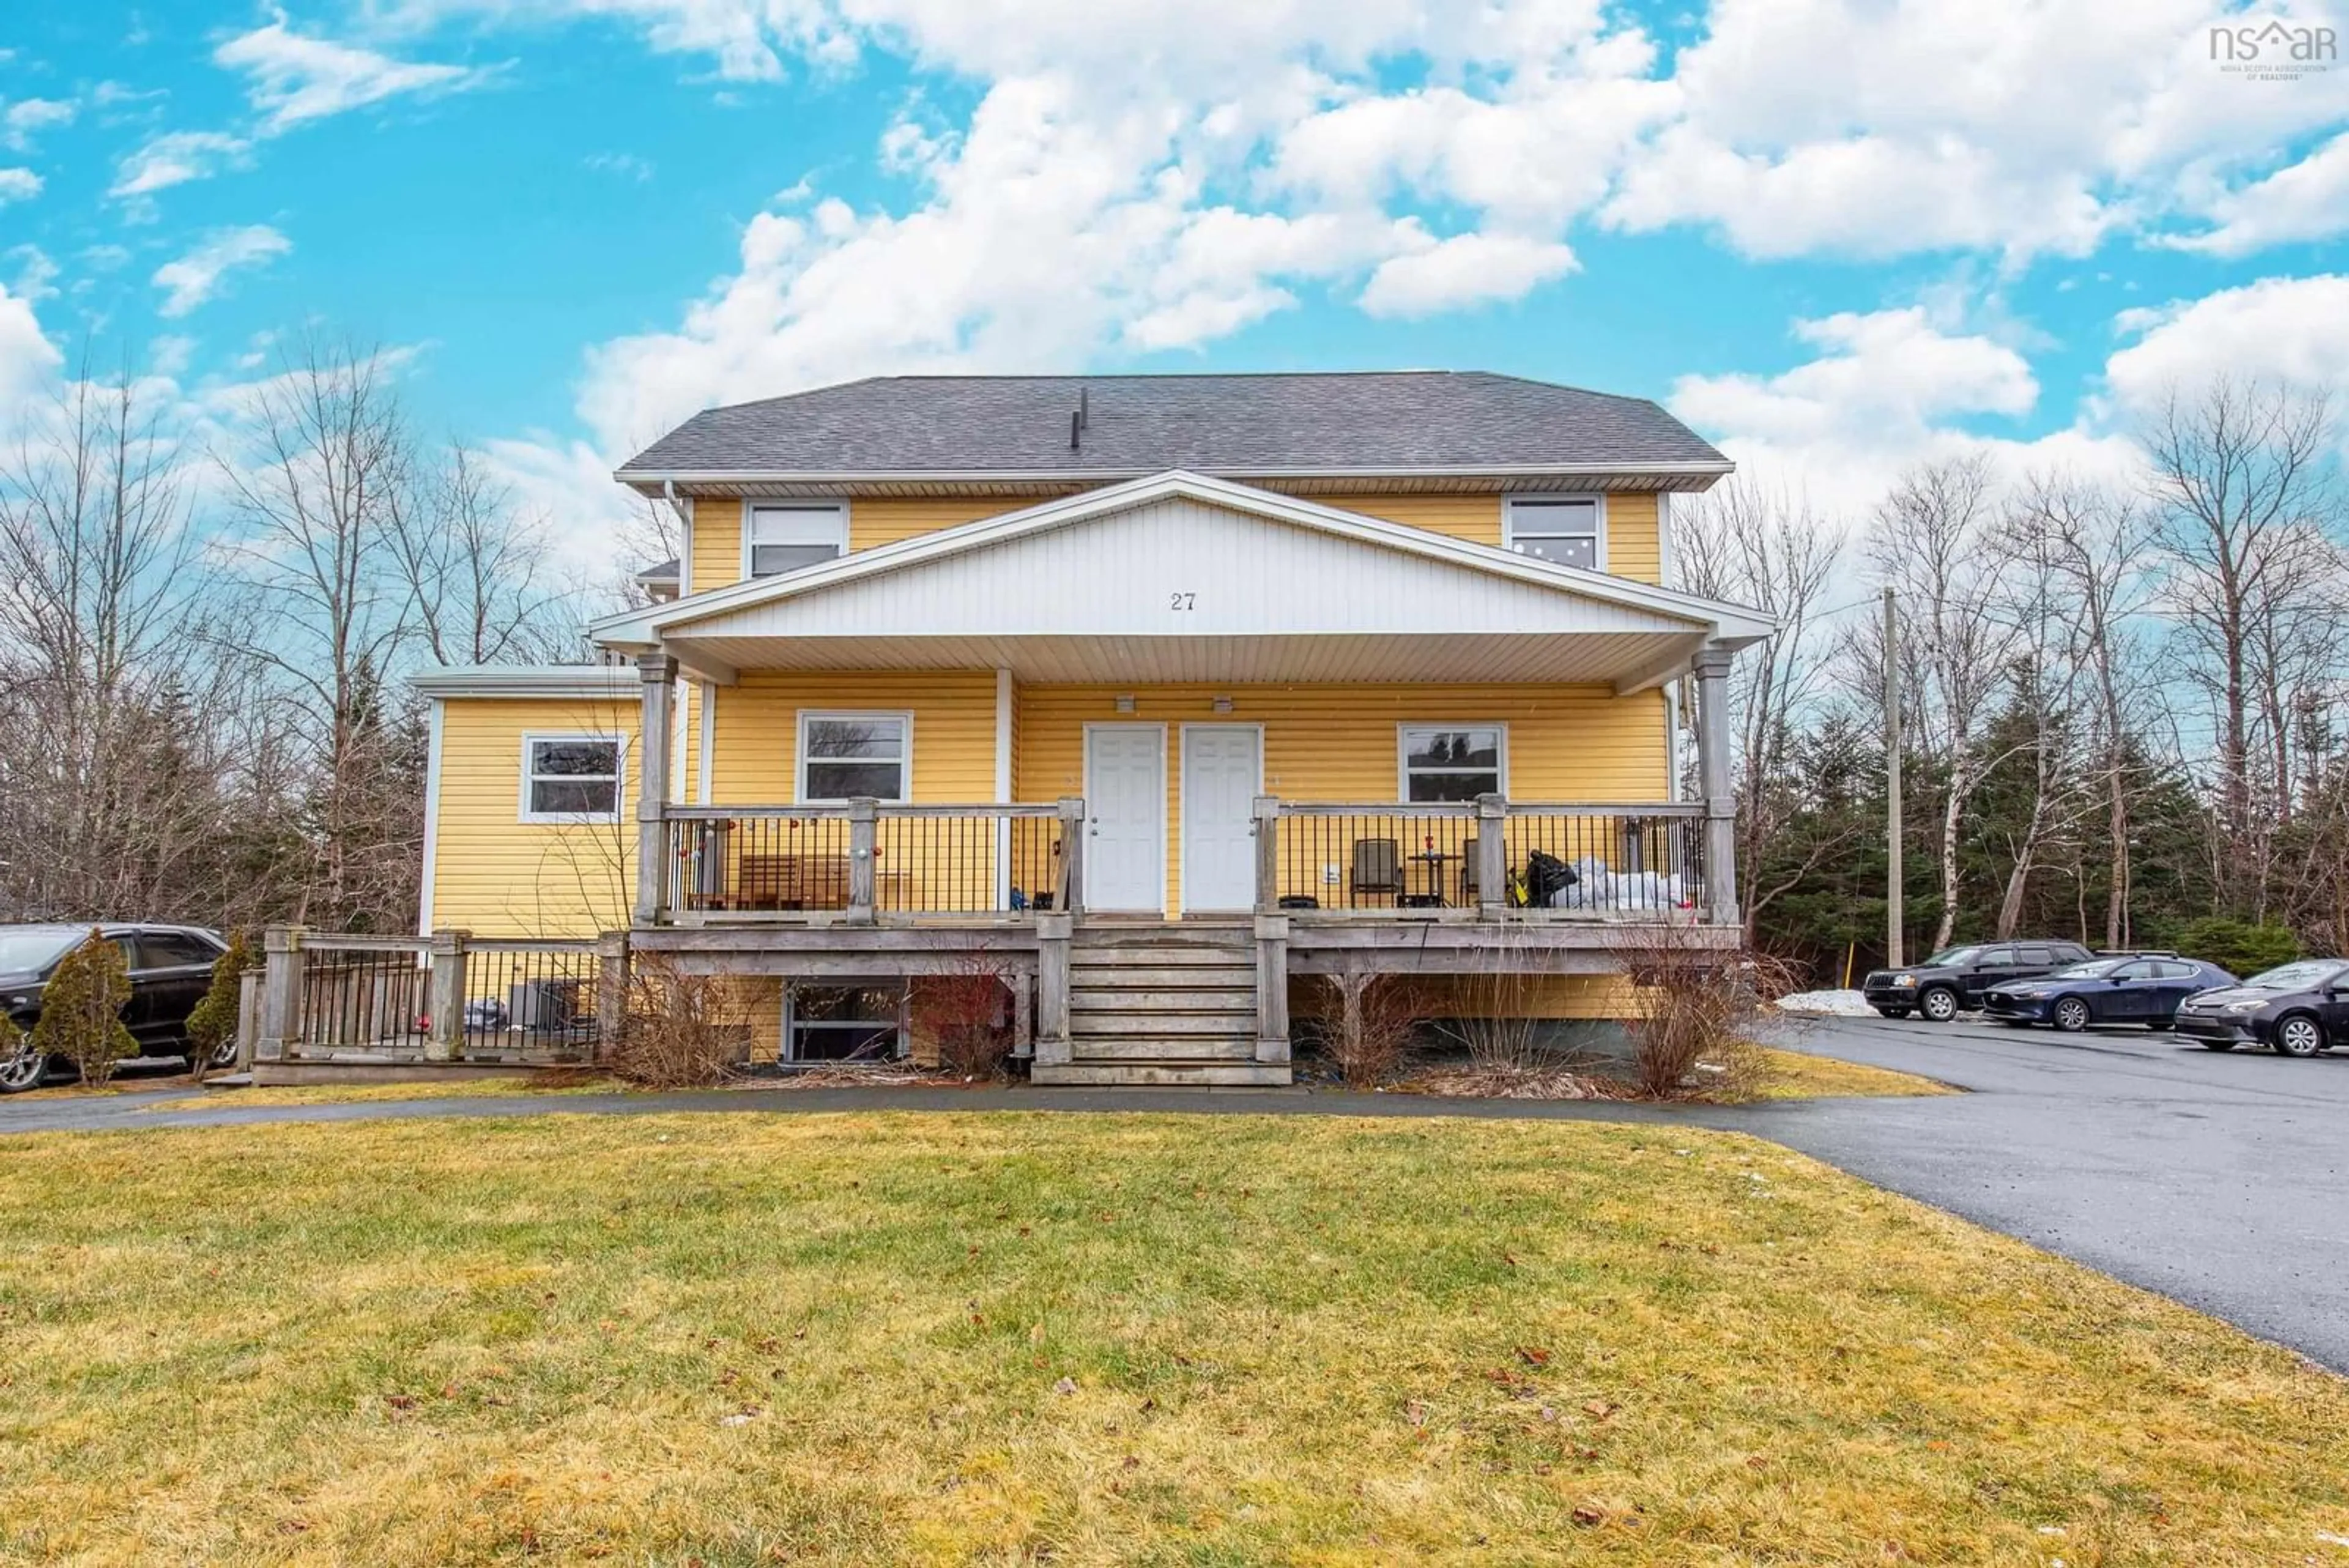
(18, 185)
(2019, 126)
(193, 279)
(1466, 269)
(1891, 388)
(2292, 331)
(627, 165)
(569, 484)
(177, 157)
(293, 78)
(28, 116)
(27, 357)
(2305, 201)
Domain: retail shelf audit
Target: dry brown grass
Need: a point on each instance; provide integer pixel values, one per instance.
(1014, 1338)
(1799, 1075)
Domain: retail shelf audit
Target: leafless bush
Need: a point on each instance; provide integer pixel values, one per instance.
(1697, 1004)
(683, 1031)
(1499, 1022)
(966, 1013)
(1377, 1018)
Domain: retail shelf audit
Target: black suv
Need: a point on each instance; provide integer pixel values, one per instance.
(1956, 978)
(170, 970)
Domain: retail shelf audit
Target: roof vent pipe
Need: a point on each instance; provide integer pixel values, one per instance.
(1076, 429)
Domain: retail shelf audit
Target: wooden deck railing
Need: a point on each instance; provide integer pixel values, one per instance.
(449, 997)
(864, 862)
(1490, 855)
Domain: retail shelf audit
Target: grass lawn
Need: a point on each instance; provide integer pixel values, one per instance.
(1007, 1337)
(1799, 1075)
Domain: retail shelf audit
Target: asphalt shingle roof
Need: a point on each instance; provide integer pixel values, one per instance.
(1020, 424)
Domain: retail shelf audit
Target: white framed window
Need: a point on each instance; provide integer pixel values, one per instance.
(781, 537)
(841, 755)
(844, 1022)
(1454, 762)
(1570, 530)
(572, 777)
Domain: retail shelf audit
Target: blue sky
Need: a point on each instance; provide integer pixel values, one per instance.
(1837, 235)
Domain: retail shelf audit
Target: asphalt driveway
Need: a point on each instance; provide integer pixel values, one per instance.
(2211, 1179)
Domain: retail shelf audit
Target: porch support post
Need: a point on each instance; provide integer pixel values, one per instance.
(1071, 814)
(658, 673)
(444, 1035)
(610, 992)
(1492, 854)
(863, 838)
(1711, 666)
(281, 994)
(1272, 988)
(1267, 855)
(1052, 1046)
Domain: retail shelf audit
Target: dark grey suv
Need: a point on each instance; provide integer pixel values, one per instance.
(170, 970)
(1954, 979)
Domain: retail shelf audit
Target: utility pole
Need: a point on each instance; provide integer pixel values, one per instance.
(1892, 956)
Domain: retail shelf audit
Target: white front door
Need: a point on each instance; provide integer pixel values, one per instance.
(1126, 827)
(1223, 772)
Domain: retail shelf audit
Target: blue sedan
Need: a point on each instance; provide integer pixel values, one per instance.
(2128, 988)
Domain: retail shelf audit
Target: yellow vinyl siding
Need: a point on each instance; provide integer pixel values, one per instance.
(495, 875)
(755, 760)
(1631, 540)
(1476, 518)
(1633, 548)
(1334, 743)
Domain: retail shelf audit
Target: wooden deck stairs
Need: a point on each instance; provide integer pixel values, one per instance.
(1162, 1004)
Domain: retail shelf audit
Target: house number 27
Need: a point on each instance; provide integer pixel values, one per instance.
(1182, 601)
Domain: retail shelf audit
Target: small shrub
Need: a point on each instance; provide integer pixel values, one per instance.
(2239, 947)
(81, 1010)
(683, 1031)
(213, 1022)
(1690, 1032)
(1378, 1018)
(967, 1014)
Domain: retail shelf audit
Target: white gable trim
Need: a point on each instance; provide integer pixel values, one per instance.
(1727, 622)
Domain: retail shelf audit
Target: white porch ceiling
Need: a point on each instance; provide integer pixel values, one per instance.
(1619, 656)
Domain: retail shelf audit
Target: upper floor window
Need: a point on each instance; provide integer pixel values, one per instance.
(843, 755)
(1451, 762)
(778, 538)
(1570, 530)
(571, 778)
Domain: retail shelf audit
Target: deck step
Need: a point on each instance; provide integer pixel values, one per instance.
(1167, 1073)
(1083, 976)
(1163, 1048)
(1236, 1022)
(1160, 955)
(1162, 999)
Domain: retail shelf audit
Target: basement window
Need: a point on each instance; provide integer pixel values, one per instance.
(1453, 763)
(571, 778)
(844, 1022)
(779, 539)
(1570, 530)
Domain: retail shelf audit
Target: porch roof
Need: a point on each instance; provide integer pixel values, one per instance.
(1180, 576)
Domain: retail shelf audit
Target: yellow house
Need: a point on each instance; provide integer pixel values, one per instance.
(1155, 695)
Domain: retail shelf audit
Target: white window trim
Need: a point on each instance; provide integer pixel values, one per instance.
(1598, 500)
(576, 818)
(799, 753)
(787, 1053)
(752, 504)
(1403, 751)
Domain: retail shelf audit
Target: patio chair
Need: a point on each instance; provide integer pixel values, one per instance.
(1378, 868)
(1469, 885)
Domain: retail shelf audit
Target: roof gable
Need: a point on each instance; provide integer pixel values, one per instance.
(1114, 561)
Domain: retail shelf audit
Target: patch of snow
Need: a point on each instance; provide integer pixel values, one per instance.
(1832, 1003)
